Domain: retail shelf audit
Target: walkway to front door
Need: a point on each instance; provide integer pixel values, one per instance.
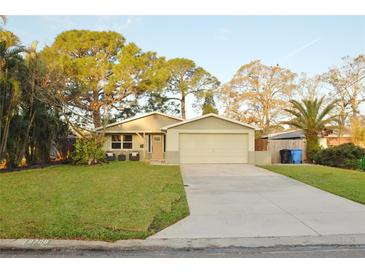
(238, 200)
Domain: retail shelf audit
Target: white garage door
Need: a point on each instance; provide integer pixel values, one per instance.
(213, 148)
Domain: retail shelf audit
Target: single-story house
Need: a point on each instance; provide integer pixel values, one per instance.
(206, 139)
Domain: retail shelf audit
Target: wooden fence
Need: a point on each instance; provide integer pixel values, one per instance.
(276, 145)
(261, 145)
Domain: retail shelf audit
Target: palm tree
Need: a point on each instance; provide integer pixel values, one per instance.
(32, 67)
(312, 117)
(10, 87)
(29, 126)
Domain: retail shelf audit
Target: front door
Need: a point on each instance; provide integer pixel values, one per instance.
(157, 147)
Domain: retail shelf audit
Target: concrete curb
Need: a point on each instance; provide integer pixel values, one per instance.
(255, 242)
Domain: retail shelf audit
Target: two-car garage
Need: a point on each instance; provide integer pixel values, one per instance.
(209, 139)
(210, 148)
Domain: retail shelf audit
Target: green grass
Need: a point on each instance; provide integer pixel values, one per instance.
(120, 200)
(349, 184)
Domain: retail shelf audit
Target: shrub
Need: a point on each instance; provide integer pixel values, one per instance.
(312, 154)
(88, 151)
(344, 156)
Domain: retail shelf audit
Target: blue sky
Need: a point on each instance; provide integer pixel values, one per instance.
(220, 44)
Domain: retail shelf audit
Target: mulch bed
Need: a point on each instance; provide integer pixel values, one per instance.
(35, 166)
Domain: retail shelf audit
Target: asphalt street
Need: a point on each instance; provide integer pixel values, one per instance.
(331, 251)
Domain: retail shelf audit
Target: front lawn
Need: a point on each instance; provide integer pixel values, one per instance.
(120, 200)
(349, 184)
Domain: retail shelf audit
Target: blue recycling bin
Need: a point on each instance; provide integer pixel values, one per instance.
(296, 156)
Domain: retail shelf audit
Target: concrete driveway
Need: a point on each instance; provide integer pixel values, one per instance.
(236, 200)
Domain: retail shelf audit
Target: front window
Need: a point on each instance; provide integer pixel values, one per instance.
(116, 142)
(122, 141)
(127, 141)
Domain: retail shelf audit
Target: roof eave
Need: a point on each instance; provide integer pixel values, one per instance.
(135, 118)
(206, 116)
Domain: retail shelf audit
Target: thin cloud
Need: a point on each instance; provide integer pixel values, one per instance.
(302, 48)
(113, 22)
(224, 30)
(128, 22)
(57, 21)
(223, 33)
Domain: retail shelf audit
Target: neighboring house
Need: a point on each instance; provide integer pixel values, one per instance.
(291, 139)
(332, 138)
(295, 139)
(207, 139)
(286, 135)
(329, 137)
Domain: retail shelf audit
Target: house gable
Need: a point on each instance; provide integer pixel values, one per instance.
(149, 123)
(210, 121)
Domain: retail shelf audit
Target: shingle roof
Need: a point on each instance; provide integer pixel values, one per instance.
(293, 134)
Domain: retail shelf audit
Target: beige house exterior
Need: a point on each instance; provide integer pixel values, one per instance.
(141, 134)
(207, 139)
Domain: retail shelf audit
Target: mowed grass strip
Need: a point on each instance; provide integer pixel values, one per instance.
(349, 184)
(120, 200)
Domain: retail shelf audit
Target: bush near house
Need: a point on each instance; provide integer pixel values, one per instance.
(344, 156)
(88, 151)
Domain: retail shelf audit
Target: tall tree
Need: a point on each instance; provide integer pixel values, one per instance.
(183, 78)
(85, 59)
(258, 93)
(208, 105)
(310, 87)
(312, 116)
(23, 120)
(10, 84)
(97, 74)
(29, 127)
(348, 84)
(135, 75)
(156, 101)
(32, 107)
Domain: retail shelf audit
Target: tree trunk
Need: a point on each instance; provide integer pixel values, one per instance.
(266, 129)
(5, 132)
(4, 140)
(3, 115)
(26, 141)
(96, 109)
(183, 110)
(312, 144)
(30, 123)
(96, 118)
